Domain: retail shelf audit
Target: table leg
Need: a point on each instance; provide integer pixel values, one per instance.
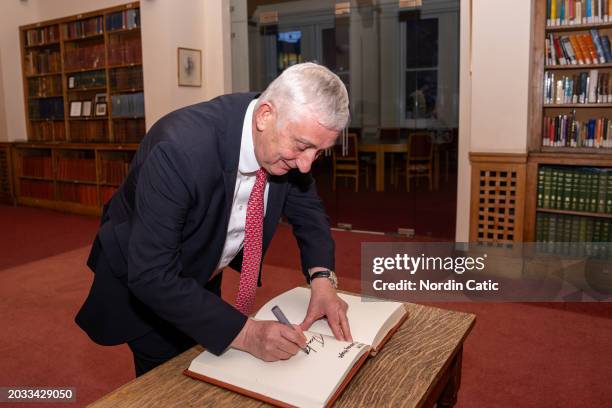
(448, 398)
(436, 169)
(380, 170)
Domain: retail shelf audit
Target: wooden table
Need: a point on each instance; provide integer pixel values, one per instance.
(419, 367)
(380, 148)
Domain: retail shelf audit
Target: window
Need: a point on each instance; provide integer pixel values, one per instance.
(421, 68)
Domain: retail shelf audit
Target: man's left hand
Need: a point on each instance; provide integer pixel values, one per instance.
(325, 302)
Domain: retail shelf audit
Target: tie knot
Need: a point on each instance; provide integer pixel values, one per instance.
(261, 174)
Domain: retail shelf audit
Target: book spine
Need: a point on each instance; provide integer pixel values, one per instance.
(598, 46)
(577, 50)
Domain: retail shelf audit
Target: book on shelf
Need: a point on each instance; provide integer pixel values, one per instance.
(38, 165)
(585, 87)
(36, 189)
(46, 61)
(85, 131)
(328, 366)
(106, 193)
(78, 193)
(573, 12)
(47, 131)
(114, 171)
(89, 79)
(128, 105)
(83, 28)
(582, 189)
(574, 235)
(122, 20)
(124, 49)
(126, 78)
(45, 86)
(76, 168)
(83, 55)
(49, 108)
(577, 49)
(42, 35)
(567, 131)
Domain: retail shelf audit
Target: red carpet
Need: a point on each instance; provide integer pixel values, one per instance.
(518, 355)
(28, 234)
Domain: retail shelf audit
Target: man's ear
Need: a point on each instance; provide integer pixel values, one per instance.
(264, 116)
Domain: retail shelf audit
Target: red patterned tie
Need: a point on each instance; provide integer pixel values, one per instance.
(253, 234)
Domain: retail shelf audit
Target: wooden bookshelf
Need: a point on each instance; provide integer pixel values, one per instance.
(563, 155)
(6, 174)
(70, 60)
(70, 177)
(75, 161)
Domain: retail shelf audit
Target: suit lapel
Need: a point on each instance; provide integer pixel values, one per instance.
(230, 149)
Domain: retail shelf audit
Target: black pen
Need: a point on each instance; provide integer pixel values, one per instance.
(283, 319)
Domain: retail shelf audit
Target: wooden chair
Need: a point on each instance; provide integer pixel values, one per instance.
(419, 159)
(347, 165)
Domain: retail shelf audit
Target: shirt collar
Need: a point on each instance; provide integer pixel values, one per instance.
(248, 162)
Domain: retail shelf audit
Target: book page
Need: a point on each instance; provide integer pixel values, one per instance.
(369, 320)
(305, 380)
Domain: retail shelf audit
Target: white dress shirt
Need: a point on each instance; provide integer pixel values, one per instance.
(245, 180)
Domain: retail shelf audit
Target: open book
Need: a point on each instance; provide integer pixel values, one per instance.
(315, 379)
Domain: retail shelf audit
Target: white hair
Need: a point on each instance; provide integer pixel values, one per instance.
(309, 89)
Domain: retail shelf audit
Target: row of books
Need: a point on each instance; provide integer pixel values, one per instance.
(128, 105)
(45, 86)
(571, 12)
(52, 131)
(94, 131)
(76, 168)
(36, 189)
(50, 108)
(124, 50)
(567, 131)
(37, 166)
(78, 193)
(106, 193)
(578, 49)
(45, 61)
(114, 171)
(88, 79)
(126, 78)
(126, 19)
(83, 28)
(585, 87)
(129, 130)
(83, 56)
(574, 235)
(41, 36)
(584, 189)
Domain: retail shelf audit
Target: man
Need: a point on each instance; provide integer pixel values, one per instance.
(194, 202)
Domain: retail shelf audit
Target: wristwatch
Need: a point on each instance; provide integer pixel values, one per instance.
(328, 274)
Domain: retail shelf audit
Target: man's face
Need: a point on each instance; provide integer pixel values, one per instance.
(293, 145)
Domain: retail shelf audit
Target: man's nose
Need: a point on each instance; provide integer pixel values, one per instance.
(304, 162)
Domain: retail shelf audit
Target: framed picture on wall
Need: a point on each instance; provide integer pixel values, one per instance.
(101, 109)
(75, 109)
(189, 67)
(86, 108)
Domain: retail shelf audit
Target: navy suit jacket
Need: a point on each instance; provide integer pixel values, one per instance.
(163, 232)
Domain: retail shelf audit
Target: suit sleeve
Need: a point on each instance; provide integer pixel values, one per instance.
(306, 213)
(163, 197)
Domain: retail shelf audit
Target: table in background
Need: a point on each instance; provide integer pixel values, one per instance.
(419, 367)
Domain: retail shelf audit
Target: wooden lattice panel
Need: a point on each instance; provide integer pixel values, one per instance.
(497, 205)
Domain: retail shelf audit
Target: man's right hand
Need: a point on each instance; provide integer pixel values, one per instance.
(269, 340)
